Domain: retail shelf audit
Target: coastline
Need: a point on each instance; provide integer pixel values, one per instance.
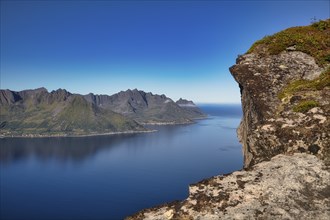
(103, 134)
(193, 121)
(168, 123)
(76, 135)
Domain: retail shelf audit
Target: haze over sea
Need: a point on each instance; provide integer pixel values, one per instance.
(110, 177)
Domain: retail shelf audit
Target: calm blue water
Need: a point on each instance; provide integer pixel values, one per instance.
(110, 177)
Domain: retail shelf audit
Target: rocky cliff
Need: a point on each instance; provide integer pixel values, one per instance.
(285, 132)
(285, 95)
(275, 122)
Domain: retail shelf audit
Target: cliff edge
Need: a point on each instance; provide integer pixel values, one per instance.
(285, 92)
(285, 132)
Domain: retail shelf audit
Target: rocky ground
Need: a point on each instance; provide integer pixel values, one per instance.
(286, 187)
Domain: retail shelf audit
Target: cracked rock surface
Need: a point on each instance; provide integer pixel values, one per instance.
(270, 126)
(286, 187)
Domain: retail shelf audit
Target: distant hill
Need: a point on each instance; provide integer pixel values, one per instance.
(38, 112)
(41, 113)
(146, 108)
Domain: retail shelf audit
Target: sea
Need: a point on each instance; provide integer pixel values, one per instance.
(111, 177)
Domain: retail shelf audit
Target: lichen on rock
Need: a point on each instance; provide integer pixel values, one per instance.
(286, 187)
(271, 125)
(287, 93)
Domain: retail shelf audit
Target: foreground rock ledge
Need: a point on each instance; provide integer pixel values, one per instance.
(286, 187)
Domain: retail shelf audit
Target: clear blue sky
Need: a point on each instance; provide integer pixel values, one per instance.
(177, 48)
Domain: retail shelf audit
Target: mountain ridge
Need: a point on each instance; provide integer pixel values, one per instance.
(37, 112)
(146, 107)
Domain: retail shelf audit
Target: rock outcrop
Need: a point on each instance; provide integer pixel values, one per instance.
(285, 132)
(285, 87)
(270, 124)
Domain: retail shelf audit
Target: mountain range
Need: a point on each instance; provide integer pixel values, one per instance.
(147, 108)
(38, 112)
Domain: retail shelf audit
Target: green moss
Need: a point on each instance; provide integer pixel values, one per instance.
(321, 25)
(305, 105)
(307, 85)
(313, 40)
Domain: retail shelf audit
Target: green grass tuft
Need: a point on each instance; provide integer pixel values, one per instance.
(307, 85)
(305, 105)
(313, 40)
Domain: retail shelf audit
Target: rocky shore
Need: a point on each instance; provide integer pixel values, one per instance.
(75, 135)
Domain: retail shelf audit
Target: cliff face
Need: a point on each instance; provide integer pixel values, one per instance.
(285, 87)
(272, 122)
(285, 132)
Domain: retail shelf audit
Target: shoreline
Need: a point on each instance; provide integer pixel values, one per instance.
(167, 123)
(104, 134)
(193, 121)
(76, 135)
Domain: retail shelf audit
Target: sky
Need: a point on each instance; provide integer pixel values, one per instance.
(177, 48)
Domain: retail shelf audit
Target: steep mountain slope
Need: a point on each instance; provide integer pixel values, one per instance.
(38, 112)
(145, 108)
(190, 107)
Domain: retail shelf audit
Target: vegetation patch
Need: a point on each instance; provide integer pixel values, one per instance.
(304, 106)
(307, 85)
(313, 40)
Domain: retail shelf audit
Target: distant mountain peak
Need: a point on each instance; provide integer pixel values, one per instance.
(185, 103)
(41, 89)
(133, 90)
(32, 91)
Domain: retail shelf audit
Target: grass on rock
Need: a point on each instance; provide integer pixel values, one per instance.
(313, 40)
(305, 105)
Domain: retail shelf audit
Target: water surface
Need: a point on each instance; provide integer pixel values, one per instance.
(110, 177)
